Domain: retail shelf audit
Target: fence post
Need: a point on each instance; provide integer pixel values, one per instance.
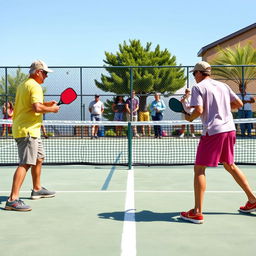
(130, 158)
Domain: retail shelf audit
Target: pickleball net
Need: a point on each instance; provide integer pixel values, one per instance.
(71, 142)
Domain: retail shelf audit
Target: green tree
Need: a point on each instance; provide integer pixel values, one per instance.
(245, 55)
(108, 113)
(146, 80)
(12, 84)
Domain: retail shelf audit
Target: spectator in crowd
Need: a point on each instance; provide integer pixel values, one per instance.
(119, 108)
(245, 111)
(96, 108)
(132, 106)
(144, 116)
(43, 129)
(185, 100)
(157, 108)
(8, 113)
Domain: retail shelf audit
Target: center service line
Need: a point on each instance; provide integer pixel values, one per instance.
(128, 245)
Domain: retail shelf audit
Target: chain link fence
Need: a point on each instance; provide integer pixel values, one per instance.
(109, 82)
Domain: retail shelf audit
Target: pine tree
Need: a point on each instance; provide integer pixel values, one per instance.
(146, 80)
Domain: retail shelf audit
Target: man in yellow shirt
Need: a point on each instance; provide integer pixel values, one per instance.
(27, 122)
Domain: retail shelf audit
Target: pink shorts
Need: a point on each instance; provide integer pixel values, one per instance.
(218, 148)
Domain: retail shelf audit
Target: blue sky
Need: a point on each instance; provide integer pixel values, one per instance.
(78, 32)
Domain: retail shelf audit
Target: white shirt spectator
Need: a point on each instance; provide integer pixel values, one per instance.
(96, 107)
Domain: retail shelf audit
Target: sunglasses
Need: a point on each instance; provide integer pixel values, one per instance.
(194, 73)
(44, 72)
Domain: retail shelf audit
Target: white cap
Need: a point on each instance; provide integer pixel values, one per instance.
(202, 66)
(39, 64)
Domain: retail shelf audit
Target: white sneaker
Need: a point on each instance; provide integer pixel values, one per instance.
(193, 135)
(182, 135)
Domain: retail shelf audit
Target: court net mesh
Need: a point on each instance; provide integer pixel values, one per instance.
(120, 143)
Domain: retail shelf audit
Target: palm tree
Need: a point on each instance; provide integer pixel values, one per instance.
(245, 55)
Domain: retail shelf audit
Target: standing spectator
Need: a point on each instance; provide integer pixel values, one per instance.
(185, 100)
(212, 101)
(96, 108)
(144, 116)
(8, 113)
(119, 108)
(245, 111)
(157, 108)
(43, 129)
(132, 106)
(27, 121)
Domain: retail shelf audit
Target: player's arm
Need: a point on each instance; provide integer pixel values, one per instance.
(50, 103)
(41, 108)
(237, 103)
(198, 111)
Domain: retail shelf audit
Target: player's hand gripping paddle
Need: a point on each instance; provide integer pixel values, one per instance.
(176, 106)
(67, 96)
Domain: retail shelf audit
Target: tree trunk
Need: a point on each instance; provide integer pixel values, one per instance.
(143, 103)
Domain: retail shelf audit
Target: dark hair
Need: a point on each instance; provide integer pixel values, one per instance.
(117, 98)
(205, 73)
(10, 103)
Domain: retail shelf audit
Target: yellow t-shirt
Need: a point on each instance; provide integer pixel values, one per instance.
(25, 120)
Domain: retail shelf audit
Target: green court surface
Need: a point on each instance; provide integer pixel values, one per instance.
(114, 211)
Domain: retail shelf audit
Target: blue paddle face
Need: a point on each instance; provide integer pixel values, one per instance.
(176, 106)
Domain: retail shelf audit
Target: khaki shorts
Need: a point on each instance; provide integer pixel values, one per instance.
(134, 118)
(30, 149)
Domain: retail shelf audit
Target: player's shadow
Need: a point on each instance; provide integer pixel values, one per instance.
(3, 199)
(142, 216)
(250, 214)
(149, 216)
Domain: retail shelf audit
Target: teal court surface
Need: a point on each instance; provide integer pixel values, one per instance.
(110, 210)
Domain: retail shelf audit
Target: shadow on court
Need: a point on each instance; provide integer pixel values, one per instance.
(3, 199)
(149, 216)
(228, 213)
(144, 216)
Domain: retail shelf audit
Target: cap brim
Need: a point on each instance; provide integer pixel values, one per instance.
(48, 70)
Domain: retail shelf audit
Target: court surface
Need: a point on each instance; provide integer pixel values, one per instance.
(115, 211)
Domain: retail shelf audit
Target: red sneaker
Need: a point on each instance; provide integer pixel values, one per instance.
(197, 218)
(248, 207)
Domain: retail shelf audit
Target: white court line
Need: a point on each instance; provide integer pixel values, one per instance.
(135, 191)
(128, 244)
